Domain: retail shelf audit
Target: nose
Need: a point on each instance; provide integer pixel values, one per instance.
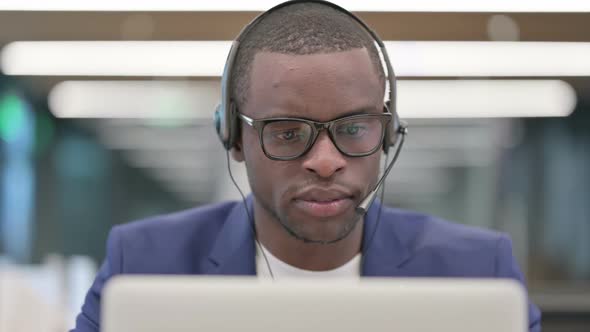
(324, 159)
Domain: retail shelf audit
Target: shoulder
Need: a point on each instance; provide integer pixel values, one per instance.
(168, 243)
(204, 218)
(418, 230)
(437, 247)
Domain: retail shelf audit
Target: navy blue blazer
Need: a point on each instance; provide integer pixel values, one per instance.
(217, 240)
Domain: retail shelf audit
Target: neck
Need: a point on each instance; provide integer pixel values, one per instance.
(307, 256)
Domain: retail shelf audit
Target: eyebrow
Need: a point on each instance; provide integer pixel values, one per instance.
(358, 111)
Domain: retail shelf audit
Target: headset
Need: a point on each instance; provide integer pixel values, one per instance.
(226, 119)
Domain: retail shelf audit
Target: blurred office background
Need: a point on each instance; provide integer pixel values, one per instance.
(106, 117)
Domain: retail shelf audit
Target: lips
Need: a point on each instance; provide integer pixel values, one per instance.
(322, 203)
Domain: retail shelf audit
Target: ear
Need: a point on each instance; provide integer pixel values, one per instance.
(237, 153)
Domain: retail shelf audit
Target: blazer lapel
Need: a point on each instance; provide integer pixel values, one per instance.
(234, 251)
(383, 252)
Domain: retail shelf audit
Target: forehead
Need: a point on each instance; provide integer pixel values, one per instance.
(317, 86)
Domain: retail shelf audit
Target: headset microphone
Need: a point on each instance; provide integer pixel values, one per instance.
(363, 207)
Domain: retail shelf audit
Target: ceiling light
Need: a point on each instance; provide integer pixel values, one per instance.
(207, 58)
(416, 99)
(485, 98)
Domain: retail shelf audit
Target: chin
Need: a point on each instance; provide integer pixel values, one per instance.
(323, 231)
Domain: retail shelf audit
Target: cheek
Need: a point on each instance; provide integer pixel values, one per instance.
(251, 145)
(266, 176)
(253, 157)
(370, 169)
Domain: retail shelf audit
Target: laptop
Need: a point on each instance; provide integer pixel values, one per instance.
(194, 303)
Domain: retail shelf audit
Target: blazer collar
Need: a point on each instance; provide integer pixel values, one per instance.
(384, 252)
(234, 252)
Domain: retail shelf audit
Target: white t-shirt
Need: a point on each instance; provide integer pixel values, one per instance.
(282, 270)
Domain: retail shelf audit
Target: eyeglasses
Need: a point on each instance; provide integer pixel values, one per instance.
(291, 138)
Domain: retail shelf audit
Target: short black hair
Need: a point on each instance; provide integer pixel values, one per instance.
(300, 29)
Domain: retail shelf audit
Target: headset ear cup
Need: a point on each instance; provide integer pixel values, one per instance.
(232, 126)
(395, 128)
(221, 125)
(392, 130)
(225, 124)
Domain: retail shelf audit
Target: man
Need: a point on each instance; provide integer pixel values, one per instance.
(299, 65)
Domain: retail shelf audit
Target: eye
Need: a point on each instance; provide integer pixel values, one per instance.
(287, 135)
(351, 129)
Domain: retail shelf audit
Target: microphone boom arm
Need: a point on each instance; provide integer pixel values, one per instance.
(363, 207)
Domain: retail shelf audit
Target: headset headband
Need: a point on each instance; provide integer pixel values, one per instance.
(226, 120)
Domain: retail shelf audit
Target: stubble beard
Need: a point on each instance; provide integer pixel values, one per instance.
(296, 232)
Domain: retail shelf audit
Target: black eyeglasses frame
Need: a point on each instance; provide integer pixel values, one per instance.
(317, 127)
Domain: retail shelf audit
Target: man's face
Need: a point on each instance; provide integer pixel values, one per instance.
(314, 196)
